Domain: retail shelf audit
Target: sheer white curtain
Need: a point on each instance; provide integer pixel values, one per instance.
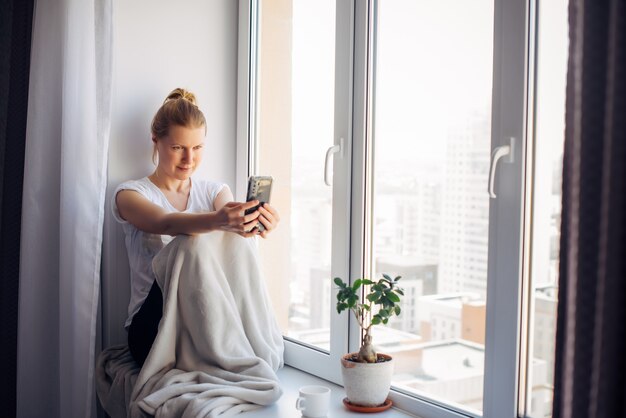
(63, 206)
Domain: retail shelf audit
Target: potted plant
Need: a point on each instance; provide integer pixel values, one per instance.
(367, 374)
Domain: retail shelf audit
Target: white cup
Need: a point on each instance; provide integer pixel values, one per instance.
(313, 401)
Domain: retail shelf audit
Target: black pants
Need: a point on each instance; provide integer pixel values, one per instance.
(145, 325)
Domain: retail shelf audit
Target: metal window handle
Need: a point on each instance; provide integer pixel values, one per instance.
(329, 152)
(499, 152)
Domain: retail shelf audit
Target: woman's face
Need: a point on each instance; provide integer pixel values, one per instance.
(180, 152)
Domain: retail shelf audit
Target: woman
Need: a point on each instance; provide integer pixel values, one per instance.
(168, 203)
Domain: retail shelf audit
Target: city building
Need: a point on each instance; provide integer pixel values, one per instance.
(465, 208)
(454, 315)
(417, 280)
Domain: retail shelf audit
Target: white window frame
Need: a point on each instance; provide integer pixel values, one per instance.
(354, 84)
(505, 267)
(297, 354)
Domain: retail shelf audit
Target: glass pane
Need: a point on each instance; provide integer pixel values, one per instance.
(295, 120)
(552, 51)
(432, 134)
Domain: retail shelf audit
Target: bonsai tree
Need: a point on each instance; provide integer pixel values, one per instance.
(381, 303)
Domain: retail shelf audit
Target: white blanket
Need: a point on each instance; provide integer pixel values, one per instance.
(218, 345)
(116, 373)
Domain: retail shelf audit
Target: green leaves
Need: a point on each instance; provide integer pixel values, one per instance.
(341, 307)
(373, 297)
(347, 296)
(340, 282)
(393, 297)
(383, 294)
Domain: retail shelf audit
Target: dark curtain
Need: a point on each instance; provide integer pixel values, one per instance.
(590, 379)
(15, 39)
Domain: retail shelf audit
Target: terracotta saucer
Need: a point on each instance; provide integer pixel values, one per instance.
(358, 408)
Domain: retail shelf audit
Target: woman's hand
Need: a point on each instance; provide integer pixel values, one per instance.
(231, 218)
(268, 216)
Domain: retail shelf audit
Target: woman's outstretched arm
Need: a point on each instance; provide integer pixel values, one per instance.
(151, 218)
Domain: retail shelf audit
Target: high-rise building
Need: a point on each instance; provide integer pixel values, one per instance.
(407, 218)
(417, 280)
(465, 208)
(309, 250)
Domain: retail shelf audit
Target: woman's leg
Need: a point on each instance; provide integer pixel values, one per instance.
(218, 277)
(145, 325)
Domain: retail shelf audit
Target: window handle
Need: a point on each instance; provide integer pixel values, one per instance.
(329, 152)
(499, 152)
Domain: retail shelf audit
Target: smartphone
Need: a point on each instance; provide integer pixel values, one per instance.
(259, 188)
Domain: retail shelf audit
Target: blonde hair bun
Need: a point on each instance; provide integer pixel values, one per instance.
(179, 93)
(178, 109)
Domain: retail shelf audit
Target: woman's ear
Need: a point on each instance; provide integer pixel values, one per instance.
(154, 151)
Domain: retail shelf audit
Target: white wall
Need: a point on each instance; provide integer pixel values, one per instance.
(160, 45)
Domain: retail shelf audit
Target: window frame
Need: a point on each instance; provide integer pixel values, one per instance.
(354, 81)
(506, 267)
(300, 355)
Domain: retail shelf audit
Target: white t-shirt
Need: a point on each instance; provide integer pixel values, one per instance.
(142, 246)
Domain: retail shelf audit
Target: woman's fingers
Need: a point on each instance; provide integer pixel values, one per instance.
(251, 217)
(249, 205)
(247, 225)
(240, 207)
(268, 217)
(270, 212)
(236, 215)
(245, 229)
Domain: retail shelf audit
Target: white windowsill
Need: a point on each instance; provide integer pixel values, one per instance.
(292, 379)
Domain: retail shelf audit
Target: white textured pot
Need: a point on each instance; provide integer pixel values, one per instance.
(366, 384)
